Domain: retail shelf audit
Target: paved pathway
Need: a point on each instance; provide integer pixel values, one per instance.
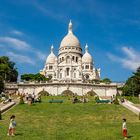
(132, 107)
(7, 106)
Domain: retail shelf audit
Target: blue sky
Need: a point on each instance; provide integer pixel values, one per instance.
(110, 28)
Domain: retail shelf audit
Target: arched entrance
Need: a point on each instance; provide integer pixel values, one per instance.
(67, 93)
(91, 93)
(44, 93)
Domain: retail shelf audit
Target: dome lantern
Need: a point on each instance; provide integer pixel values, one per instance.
(52, 49)
(86, 48)
(70, 27)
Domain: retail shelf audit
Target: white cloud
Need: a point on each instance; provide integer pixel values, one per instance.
(20, 58)
(15, 43)
(41, 55)
(16, 32)
(131, 61)
(20, 47)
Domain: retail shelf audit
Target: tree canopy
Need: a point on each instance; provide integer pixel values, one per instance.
(8, 71)
(34, 77)
(106, 80)
(132, 85)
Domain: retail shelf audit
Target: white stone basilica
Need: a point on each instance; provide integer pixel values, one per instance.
(70, 65)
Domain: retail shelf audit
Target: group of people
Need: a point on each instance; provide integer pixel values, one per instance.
(5, 97)
(31, 98)
(81, 100)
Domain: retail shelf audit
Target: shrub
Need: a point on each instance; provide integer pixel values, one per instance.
(96, 97)
(116, 101)
(21, 101)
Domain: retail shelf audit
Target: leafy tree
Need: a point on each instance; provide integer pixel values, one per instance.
(8, 72)
(34, 77)
(27, 77)
(116, 101)
(40, 77)
(7, 69)
(1, 84)
(132, 85)
(106, 80)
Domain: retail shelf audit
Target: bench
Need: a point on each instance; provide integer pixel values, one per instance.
(103, 101)
(55, 101)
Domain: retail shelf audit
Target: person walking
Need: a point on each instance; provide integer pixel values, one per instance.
(124, 128)
(12, 125)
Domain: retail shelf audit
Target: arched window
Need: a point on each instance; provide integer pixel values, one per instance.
(50, 67)
(74, 75)
(87, 76)
(60, 75)
(87, 66)
(76, 59)
(68, 59)
(73, 58)
(68, 71)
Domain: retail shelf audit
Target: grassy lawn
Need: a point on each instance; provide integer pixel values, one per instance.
(135, 100)
(67, 121)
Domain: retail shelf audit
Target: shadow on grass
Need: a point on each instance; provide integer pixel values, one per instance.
(129, 137)
(19, 134)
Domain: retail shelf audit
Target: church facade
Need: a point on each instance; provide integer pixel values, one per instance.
(70, 65)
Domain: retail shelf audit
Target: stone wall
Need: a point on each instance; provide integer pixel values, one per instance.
(58, 88)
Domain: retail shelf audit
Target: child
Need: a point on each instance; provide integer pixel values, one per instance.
(12, 126)
(124, 129)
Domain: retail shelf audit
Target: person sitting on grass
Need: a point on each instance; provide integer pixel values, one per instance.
(12, 125)
(124, 128)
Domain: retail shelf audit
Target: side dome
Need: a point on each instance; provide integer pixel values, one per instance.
(70, 39)
(87, 58)
(51, 58)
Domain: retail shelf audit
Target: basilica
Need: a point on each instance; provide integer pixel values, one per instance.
(70, 65)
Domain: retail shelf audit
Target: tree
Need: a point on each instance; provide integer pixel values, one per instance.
(106, 81)
(8, 72)
(7, 69)
(132, 85)
(34, 77)
(27, 77)
(39, 77)
(1, 84)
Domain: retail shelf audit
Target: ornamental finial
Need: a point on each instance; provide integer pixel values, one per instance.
(86, 48)
(70, 27)
(52, 48)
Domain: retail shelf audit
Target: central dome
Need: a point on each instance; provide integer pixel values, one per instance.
(70, 40)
